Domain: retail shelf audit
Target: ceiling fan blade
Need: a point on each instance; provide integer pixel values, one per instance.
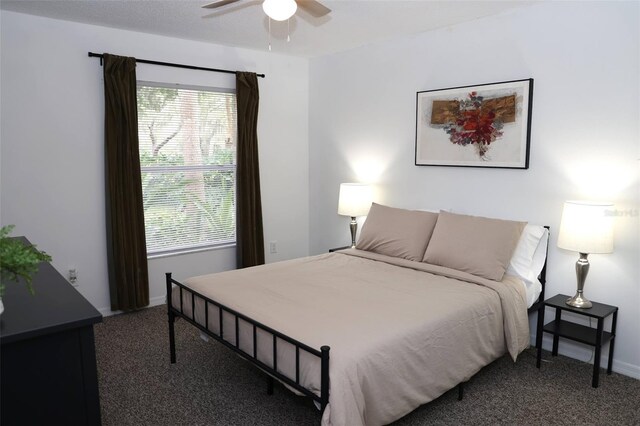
(218, 3)
(313, 7)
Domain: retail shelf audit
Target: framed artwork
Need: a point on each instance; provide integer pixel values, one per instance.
(487, 125)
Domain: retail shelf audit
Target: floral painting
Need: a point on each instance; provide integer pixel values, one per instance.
(486, 125)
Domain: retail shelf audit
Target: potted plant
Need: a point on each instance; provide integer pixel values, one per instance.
(17, 260)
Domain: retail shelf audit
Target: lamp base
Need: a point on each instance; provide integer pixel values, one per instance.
(578, 301)
(354, 229)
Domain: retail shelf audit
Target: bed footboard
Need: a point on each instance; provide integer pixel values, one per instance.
(271, 370)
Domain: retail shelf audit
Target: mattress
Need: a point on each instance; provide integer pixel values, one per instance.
(401, 332)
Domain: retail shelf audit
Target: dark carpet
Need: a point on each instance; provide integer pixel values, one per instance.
(209, 385)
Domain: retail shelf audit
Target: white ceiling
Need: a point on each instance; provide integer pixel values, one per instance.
(244, 24)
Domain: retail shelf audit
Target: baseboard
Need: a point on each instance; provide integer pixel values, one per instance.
(154, 301)
(584, 354)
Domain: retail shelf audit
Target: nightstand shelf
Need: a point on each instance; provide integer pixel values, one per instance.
(576, 332)
(595, 337)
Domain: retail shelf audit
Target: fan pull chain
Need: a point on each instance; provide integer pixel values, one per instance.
(269, 34)
(288, 32)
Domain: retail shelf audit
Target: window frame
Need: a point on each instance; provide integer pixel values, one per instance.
(195, 248)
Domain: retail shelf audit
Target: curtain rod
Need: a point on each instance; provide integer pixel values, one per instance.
(169, 64)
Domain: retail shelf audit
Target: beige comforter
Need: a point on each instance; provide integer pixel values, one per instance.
(401, 332)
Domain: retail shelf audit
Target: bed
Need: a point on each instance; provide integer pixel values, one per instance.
(371, 333)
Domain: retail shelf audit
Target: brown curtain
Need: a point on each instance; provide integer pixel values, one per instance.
(249, 232)
(126, 243)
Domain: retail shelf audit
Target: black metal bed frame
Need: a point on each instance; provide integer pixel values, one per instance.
(272, 370)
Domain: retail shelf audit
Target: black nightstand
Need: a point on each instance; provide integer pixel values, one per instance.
(338, 248)
(591, 336)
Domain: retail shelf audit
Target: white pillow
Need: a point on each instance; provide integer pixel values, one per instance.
(529, 257)
(540, 256)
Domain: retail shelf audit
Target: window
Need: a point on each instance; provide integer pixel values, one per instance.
(188, 163)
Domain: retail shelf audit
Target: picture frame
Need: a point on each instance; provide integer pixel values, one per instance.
(484, 125)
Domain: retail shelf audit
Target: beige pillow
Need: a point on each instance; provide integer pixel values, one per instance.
(397, 232)
(478, 245)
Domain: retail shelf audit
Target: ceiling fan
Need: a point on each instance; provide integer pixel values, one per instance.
(281, 10)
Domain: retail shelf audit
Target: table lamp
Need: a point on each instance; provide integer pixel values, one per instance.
(354, 200)
(586, 227)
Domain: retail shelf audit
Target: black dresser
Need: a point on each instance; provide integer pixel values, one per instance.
(48, 360)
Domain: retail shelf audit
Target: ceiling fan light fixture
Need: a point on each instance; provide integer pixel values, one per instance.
(279, 10)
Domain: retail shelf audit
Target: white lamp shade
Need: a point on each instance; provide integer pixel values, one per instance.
(279, 10)
(586, 227)
(354, 199)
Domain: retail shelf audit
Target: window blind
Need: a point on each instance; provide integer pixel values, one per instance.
(188, 163)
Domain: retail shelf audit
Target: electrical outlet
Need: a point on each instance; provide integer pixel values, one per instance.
(273, 247)
(73, 277)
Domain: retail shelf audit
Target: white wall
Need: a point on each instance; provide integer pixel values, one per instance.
(52, 171)
(584, 145)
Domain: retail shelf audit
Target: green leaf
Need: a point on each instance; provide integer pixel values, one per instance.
(18, 260)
